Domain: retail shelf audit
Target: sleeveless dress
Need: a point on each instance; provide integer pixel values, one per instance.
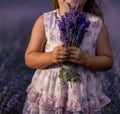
(45, 95)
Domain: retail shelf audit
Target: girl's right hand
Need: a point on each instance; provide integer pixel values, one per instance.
(59, 54)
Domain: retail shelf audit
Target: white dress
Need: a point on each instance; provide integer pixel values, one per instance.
(45, 95)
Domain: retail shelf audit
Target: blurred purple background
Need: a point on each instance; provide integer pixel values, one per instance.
(16, 21)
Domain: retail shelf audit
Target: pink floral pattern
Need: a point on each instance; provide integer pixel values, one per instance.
(45, 93)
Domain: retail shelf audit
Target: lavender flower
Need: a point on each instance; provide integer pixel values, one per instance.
(73, 26)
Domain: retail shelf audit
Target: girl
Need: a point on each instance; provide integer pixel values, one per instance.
(46, 52)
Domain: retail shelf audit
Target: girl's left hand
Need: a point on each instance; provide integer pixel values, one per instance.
(76, 55)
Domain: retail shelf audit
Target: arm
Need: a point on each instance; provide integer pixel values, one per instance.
(35, 56)
(103, 59)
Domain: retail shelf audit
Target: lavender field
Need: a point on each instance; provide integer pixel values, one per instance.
(16, 21)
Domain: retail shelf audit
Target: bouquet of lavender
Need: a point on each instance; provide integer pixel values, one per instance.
(73, 25)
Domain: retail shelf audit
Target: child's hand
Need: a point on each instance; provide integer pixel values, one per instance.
(76, 55)
(60, 54)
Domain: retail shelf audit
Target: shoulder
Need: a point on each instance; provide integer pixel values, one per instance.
(38, 25)
(44, 15)
(39, 21)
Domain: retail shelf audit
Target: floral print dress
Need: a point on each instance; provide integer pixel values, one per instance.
(46, 95)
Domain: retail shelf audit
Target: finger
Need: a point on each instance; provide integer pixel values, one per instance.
(76, 52)
(61, 49)
(72, 60)
(62, 52)
(71, 48)
(61, 57)
(65, 53)
(72, 52)
(61, 60)
(73, 57)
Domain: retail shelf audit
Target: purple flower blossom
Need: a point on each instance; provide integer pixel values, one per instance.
(73, 25)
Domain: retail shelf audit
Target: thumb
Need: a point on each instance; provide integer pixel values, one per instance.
(62, 45)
